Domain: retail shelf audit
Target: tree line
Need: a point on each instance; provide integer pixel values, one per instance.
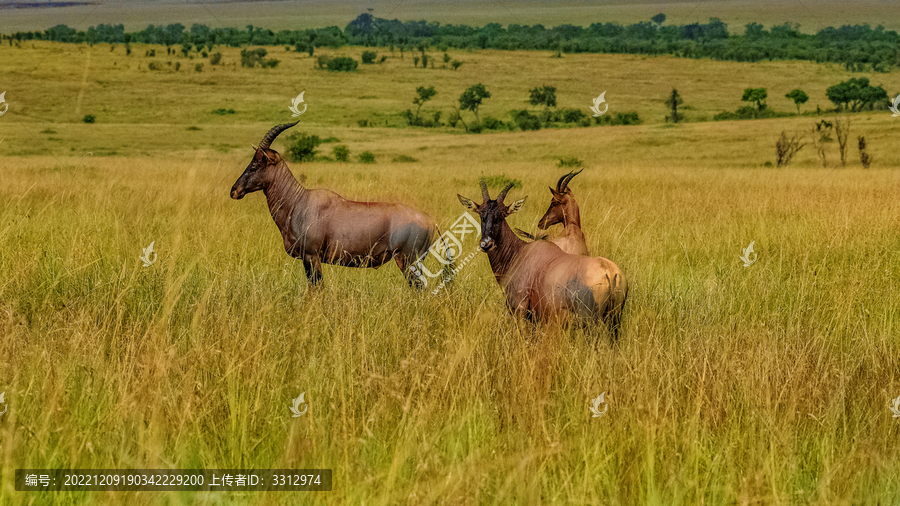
(857, 47)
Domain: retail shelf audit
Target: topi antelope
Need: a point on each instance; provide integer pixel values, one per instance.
(563, 209)
(320, 226)
(541, 281)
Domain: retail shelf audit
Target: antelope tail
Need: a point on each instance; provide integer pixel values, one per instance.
(540, 236)
(449, 269)
(525, 234)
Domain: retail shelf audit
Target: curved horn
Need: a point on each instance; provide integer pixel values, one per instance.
(568, 177)
(503, 192)
(559, 184)
(484, 191)
(267, 140)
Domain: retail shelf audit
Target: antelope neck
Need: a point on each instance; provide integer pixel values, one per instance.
(283, 193)
(505, 251)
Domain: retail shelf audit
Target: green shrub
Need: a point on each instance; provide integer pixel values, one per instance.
(366, 157)
(501, 181)
(341, 153)
(572, 115)
(526, 121)
(569, 162)
(492, 123)
(404, 159)
(302, 147)
(154, 66)
(369, 56)
(215, 58)
(322, 61)
(198, 67)
(89, 118)
(343, 64)
(626, 118)
(223, 112)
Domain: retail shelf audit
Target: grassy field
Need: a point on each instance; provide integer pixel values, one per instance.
(768, 384)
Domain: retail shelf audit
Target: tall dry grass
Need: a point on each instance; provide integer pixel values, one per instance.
(768, 384)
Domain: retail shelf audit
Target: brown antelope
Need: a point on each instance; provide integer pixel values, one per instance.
(320, 226)
(563, 209)
(541, 281)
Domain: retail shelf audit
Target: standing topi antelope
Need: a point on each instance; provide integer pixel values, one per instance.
(563, 209)
(320, 226)
(541, 281)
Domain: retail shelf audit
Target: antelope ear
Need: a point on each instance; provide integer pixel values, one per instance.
(516, 206)
(468, 203)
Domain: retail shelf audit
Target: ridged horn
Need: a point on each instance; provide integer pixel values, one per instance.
(560, 182)
(503, 192)
(565, 181)
(273, 133)
(484, 191)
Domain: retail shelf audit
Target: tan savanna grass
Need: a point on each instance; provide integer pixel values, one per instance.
(730, 385)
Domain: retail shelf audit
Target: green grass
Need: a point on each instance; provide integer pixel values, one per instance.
(730, 385)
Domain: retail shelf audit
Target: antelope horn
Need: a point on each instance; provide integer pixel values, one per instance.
(568, 177)
(273, 133)
(484, 191)
(559, 184)
(504, 191)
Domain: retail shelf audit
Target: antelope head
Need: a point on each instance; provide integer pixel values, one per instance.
(493, 214)
(258, 175)
(562, 201)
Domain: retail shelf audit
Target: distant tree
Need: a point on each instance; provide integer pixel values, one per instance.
(757, 96)
(799, 97)
(446, 58)
(856, 94)
(425, 94)
(754, 31)
(302, 147)
(786, 147)
(415, 61)
(455, 64)
(543, 95)
(672, 103)
(842, 130)
(659, 19)
(471, 99)
(215, 58)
